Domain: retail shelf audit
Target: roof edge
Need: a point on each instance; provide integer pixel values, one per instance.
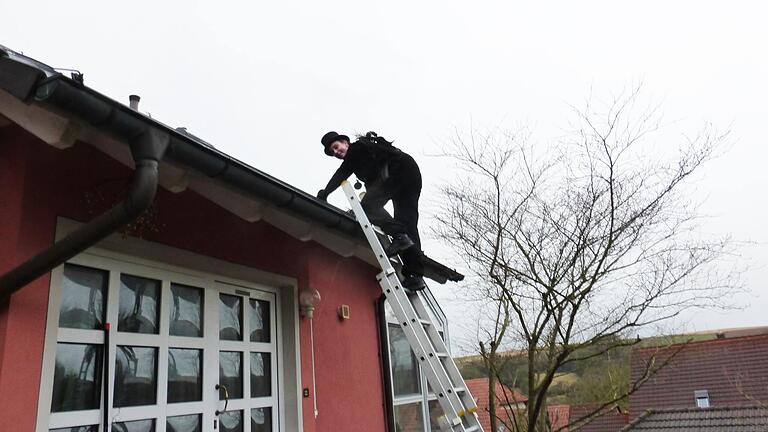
(44, 86)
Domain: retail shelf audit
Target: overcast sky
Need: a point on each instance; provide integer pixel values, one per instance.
(263, 81)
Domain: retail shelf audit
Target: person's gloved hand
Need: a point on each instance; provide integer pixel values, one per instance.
(322, 195)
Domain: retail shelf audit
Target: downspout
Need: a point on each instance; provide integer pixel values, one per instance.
(389, 403)
(147, 149)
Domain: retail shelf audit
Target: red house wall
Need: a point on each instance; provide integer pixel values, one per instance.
(39, 183)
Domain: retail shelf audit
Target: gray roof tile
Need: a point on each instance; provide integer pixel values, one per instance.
(721, 419)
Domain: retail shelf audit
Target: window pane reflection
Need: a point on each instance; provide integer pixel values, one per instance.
(186, 311)
(77, 377)
(259, 321)
(230, 317)
(231, 421)
(139, 300)
(134, 426)
(187, 423)
(405, 372)
(261, 376)
(435, 412)
(91, 428)
(231, 374)
(408, 418)
(261, 420)
(135, 376)
(185, 378)
(83, 297)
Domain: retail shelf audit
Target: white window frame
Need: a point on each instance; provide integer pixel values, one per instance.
(285, 310)
(423, 396)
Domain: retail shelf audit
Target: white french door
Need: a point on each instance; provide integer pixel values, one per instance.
(177, 351)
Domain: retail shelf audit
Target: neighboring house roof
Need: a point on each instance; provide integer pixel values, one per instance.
(252, 194)
(722, 419)
(559, 416)
(611, 421)
(733, 371)
(505, 397)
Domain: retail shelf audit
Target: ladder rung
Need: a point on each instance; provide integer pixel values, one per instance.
(425, 322)
(472, 428)
(460, 389)
(442, 354)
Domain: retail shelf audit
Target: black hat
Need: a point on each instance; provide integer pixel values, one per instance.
(329, 139)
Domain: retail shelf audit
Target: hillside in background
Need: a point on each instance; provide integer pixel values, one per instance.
(595, 380)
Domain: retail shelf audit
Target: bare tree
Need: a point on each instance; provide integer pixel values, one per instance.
(584, 241)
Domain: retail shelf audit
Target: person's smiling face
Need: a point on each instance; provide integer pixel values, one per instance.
(339, 148)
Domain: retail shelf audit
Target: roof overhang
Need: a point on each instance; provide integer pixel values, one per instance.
(61, 111)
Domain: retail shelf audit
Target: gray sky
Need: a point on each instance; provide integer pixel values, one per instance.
(264, 80)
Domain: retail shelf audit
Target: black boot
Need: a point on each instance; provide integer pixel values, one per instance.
(414, 283)
(400, 242)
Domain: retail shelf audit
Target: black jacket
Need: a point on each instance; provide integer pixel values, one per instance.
(367, 161)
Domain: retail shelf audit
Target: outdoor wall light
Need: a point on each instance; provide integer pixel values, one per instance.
(308, 298)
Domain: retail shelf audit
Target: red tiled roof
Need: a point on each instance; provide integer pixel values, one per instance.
(559, 416)
(610, 422)
(724, 419)
(478, 387)
(734, 371)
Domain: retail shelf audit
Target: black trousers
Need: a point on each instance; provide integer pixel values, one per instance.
(403, 188)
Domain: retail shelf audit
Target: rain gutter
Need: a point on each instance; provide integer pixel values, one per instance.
(147, 146)
(150, 141)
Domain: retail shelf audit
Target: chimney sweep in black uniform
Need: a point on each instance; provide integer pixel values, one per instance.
(388, 174)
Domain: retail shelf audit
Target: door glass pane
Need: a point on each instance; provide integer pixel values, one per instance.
(231, 374)
(91, 428)
(230, 317)
(408, 418)
(135, 376)
(186, 423)
(186, 311)
(139, 299)
(83, 296)
(259, 321)
(76, 377)
(261, 375)
(231, 421)
(405, 372)
(185, 378)
(261, 419)
(435, 412)
(134, 426)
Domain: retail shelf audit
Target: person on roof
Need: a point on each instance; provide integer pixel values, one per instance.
(389, 174)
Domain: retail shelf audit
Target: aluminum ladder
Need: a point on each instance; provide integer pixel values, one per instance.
(443, 376)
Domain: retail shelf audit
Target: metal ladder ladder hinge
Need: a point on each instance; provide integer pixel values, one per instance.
(459, 408)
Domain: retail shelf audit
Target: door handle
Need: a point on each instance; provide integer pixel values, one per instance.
(226, 398)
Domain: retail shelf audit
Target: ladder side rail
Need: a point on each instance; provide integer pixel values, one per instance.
(417, 338)
(437, 375)
(445, 387)
(450, 366)
(368, 228)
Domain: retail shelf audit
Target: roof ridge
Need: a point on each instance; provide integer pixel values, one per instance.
(702, 342)
(711, 408)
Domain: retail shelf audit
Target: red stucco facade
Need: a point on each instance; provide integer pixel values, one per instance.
(39, 183)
